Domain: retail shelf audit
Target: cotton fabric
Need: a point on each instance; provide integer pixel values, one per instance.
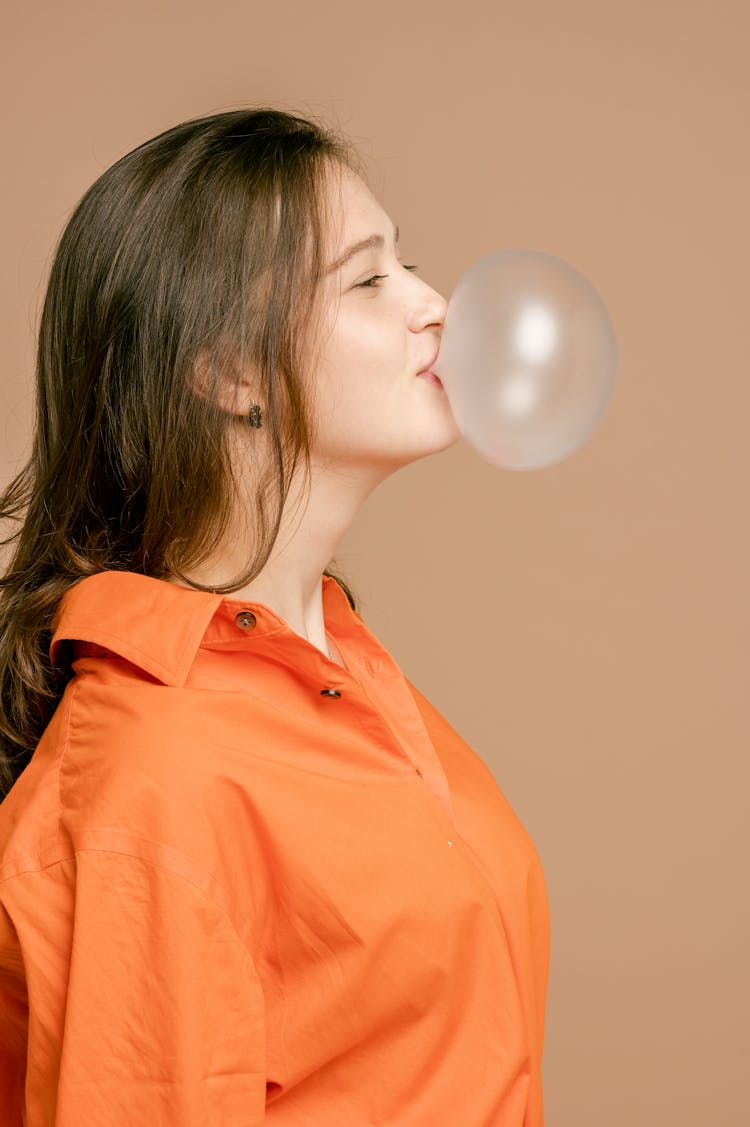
(227, 899)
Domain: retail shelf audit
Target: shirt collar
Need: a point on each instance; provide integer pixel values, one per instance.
(159, 626)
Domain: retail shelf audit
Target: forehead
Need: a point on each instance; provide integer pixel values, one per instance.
(354, 213)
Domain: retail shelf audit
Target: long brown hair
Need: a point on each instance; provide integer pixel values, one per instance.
(206, 241)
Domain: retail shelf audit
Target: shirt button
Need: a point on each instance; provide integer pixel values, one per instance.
(245, 620)
(330, 693)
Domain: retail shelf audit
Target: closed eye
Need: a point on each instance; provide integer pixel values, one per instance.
(372, 283)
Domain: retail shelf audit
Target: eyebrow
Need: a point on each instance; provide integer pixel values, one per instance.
(355, 248)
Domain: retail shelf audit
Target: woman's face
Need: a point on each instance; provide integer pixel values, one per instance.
(372, 410)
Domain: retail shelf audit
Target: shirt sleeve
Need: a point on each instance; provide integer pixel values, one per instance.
(144, 1003)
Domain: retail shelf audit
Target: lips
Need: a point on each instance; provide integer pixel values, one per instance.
(429, 363)
(431, 378)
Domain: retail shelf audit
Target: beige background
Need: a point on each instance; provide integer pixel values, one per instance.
(584, 627)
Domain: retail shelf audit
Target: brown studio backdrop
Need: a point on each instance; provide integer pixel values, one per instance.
(583, 627)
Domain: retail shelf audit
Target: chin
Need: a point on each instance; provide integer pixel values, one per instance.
(437, 446)
(451, 435)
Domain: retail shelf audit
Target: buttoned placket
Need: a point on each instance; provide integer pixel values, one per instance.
(437, 783)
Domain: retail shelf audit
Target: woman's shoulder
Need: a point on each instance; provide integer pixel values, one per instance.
(123, 766)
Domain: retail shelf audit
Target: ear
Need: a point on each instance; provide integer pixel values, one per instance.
(231, 389)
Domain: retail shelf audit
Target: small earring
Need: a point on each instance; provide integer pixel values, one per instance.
(254, 417)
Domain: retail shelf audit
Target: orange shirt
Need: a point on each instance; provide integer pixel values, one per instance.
(242, 885)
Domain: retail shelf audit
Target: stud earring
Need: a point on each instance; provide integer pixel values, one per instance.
(254, 418)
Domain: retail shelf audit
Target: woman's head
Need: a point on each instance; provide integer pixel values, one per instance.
(192, 280)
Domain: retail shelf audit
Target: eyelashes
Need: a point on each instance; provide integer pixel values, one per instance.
(372, 283)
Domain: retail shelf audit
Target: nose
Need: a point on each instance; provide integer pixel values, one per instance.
(429, 309)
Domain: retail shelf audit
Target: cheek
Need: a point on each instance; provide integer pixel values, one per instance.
(361, 359)
(355, 397)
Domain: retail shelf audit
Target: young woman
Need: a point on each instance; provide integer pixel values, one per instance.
(248, 873)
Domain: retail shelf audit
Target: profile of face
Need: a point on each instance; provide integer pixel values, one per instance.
(383, 323)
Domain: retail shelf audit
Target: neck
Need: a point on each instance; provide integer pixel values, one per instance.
(290, 583)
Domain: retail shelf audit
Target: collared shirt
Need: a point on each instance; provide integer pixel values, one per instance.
(241, 884)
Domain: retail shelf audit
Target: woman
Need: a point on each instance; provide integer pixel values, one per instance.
(249, 873)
